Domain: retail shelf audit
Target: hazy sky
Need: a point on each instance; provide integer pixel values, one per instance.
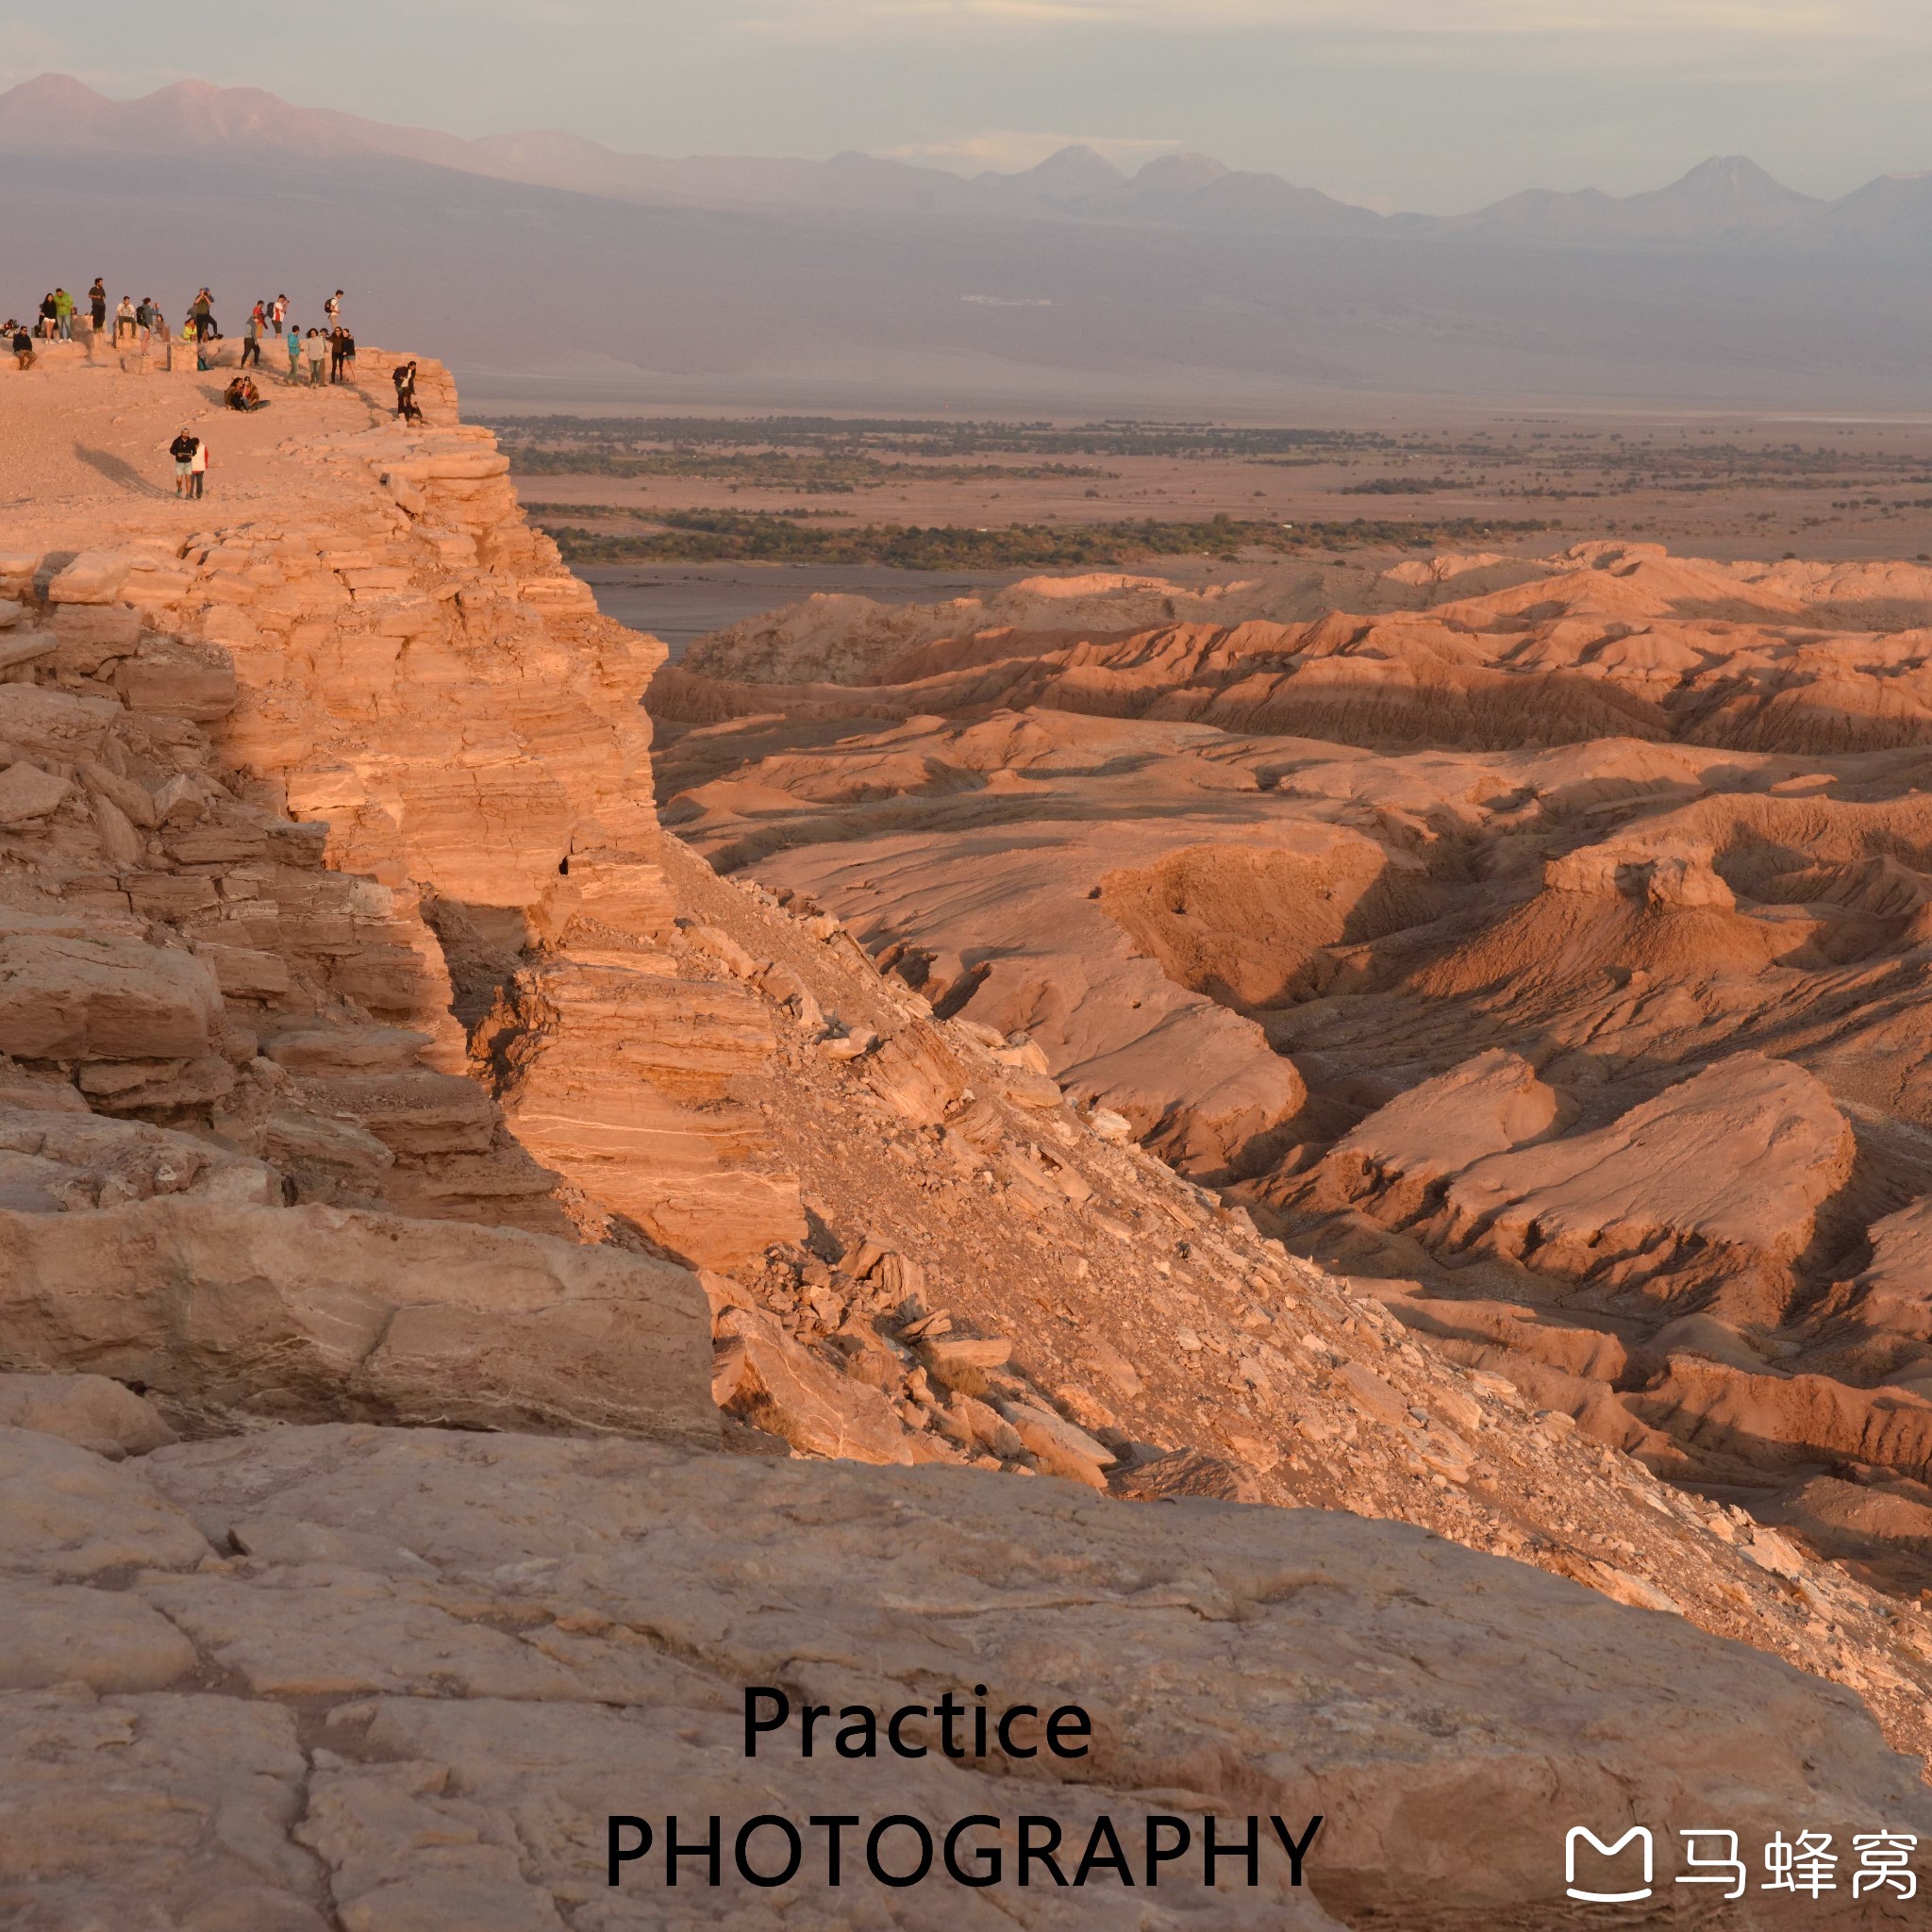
(1439, 104)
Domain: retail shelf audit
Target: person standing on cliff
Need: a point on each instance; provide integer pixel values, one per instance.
(294, 350)
(332, 310)
(251, 344)
(316, 348)
(200, 315)
(404, 377)
(279, 312)
(63, 313)
(97, 306)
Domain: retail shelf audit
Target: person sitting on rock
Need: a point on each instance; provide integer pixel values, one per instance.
(50, 316)
(21, 338)
(242, 394)
(126, 321)
(183, 450)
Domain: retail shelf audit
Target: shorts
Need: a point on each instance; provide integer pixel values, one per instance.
(182, 465)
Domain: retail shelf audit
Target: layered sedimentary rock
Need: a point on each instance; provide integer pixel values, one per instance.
(356, 746)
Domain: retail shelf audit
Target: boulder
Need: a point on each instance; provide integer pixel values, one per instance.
(238, 1312)
(108, 998)
(95, 577)
(90, 1411)
(26, 793)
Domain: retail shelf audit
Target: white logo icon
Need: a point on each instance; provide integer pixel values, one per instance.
(1605, 1898)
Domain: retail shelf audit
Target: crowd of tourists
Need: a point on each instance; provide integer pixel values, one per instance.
(320, 354)
(325, 353)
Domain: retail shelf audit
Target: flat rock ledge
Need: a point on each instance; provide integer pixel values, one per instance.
(348, 1676)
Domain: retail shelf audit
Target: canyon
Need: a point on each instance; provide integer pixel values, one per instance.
(1326, 1167)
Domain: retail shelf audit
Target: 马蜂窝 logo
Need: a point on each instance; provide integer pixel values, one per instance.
(1582, 1833)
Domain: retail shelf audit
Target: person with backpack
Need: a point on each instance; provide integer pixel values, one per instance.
(278, 313)
(332, 310)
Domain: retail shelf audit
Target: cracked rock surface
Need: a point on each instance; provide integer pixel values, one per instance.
(376, 1678)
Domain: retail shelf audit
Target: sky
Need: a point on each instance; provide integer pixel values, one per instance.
(1433, 105)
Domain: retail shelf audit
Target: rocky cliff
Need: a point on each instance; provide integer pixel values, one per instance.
(377, 1068)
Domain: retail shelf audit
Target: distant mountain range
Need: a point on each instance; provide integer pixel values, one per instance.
(1728, 200)
(547, 268)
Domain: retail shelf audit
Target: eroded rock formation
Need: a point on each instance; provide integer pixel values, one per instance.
(1574, 908)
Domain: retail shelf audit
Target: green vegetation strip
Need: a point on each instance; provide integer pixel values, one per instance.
(912, 437)
(701, 536)
(814, 475)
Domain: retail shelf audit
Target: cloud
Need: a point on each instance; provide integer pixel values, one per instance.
(1568, 19)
